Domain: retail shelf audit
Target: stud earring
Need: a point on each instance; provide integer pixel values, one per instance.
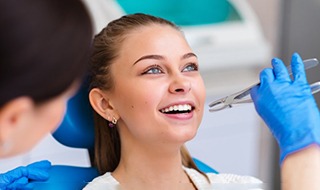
(113, 122)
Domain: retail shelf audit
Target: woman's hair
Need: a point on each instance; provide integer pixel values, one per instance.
(106, 46)
(45, 47)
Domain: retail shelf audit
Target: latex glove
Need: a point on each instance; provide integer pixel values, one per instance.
(20, 177)
(287, 106)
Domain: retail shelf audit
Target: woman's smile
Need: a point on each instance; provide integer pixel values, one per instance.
(179, 110)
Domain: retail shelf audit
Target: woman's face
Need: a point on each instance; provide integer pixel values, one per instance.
(158, 91)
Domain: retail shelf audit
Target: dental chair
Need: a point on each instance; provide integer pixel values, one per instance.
(76, 130)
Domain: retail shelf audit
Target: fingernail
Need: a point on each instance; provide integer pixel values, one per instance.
(275, 60)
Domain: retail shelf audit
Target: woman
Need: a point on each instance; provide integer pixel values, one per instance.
(149, 97)
(44, 52)
(150, 91)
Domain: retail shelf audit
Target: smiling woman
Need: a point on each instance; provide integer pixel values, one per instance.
(145, 84)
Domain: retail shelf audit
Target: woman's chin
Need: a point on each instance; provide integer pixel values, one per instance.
(185, 136)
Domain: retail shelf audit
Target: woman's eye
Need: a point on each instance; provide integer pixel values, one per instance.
(190, 67)
(153, 70)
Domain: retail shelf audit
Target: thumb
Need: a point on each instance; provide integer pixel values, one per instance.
(39, 170)
(254, 93)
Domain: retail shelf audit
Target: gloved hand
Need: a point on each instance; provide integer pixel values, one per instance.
(20, 177)
(287, 106)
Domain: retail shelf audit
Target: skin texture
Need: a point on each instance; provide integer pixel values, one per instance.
(149, 75)
(24, 123)
(301, 170)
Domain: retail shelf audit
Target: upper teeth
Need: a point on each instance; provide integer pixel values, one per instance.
(184, 107)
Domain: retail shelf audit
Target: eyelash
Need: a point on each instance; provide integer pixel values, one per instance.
(152, 67)
(194, 65)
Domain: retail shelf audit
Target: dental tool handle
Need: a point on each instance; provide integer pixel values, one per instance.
(315, 87)
(308, 63)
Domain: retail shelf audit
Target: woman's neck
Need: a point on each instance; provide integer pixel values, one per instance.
(148, 168)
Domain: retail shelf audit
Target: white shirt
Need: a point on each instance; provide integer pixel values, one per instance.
(216, 181)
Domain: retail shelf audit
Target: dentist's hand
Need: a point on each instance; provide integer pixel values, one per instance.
(20, 177)
(287, 106)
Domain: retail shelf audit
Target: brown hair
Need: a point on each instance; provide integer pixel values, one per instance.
(106, 46)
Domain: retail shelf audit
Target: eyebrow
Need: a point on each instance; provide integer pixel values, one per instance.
(156, 57)
(185, 56)
(159, 57)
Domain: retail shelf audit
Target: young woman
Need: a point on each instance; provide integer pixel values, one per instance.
(149, 97)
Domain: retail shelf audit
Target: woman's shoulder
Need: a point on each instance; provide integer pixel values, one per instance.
(105, 181)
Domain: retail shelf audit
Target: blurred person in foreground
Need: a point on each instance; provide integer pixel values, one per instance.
(44, 53)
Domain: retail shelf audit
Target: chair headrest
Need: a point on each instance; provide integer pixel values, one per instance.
(77, 128)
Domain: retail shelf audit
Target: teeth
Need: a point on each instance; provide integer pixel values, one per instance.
(184, 107)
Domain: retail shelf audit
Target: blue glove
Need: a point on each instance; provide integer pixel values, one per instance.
(20, 177)
(287, 106)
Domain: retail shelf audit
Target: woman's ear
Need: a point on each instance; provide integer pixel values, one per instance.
(101, 104)
(13, 115)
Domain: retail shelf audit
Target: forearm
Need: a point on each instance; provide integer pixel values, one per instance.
(301, 170)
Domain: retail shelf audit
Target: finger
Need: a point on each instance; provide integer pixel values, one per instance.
(280, 70)
(14, 174)
(39, 170)
(40, 164)
(298, 70)
(254, 93)
(266, 76)
(38, 174)
(28, 186)
(18, 184)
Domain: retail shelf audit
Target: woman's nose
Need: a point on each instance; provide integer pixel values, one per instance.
(180, 84)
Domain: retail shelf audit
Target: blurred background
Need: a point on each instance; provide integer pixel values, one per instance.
(234, 41)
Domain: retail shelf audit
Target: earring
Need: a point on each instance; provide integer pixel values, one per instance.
(113, 122)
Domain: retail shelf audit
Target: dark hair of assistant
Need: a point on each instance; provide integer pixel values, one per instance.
(44, 47)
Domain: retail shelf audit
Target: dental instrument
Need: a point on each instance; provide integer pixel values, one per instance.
(243, 95)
